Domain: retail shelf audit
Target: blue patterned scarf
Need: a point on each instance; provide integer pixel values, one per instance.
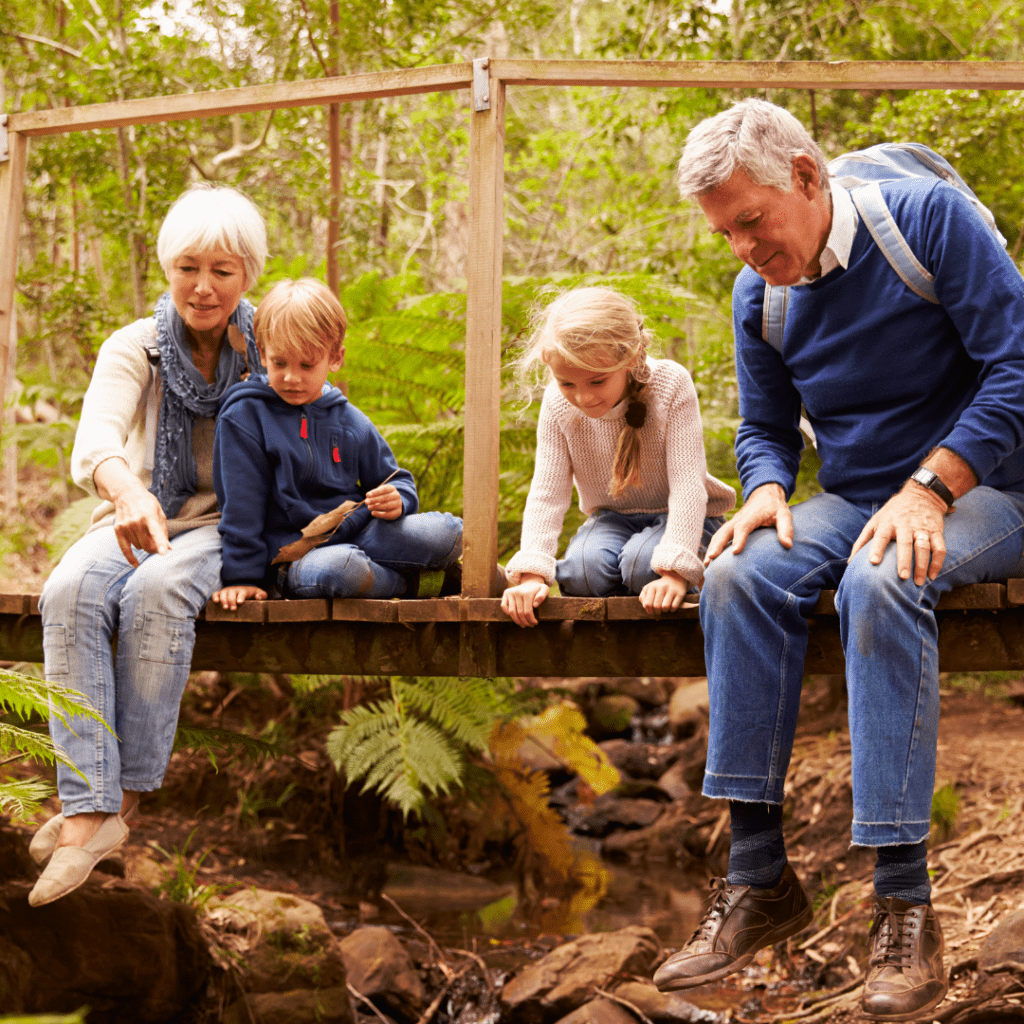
(186, 395)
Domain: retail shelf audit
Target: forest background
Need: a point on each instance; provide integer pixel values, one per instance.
(589, 197)
(589, 193)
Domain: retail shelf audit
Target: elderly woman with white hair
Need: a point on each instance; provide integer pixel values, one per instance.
(119, 610)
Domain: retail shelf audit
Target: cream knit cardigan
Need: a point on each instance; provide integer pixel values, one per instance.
(119, 419)
(574, 449)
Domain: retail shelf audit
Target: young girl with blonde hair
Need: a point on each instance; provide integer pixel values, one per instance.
(626, 430)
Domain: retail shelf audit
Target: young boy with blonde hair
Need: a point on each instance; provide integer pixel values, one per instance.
(290, 446)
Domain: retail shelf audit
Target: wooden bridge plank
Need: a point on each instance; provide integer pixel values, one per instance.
(625, 608)
(309, 610)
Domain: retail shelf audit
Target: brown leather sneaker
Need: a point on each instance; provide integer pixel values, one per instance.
(739, 922)
(905, 975)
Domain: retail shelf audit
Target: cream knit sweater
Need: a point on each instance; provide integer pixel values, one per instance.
(574, 449)
(119, 418)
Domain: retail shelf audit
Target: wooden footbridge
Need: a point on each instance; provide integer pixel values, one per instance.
(982, 627)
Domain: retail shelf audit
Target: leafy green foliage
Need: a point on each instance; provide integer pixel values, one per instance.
(945, 811)
(413, 745)
(182, 884)
(227, 745)
(27, 700)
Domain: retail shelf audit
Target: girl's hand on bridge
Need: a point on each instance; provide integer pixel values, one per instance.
(231, 597)
(665, 594)
(519, 602)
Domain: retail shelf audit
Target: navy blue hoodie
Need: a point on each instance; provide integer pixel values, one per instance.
(277, 466)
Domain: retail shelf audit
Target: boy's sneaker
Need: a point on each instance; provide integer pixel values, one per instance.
(412, 582)
(451, 585)
(740, 921)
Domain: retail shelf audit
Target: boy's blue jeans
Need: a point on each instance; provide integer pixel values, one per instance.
(752, 610)
(611, 553)
(371, 564)
(93, 598)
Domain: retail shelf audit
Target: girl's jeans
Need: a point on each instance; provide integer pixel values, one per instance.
(611, 553)
(93, 599)
(752, 611)
(372, 563)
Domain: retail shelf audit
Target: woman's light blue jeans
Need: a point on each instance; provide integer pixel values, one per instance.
(611, 553)
(372, 563)
(93, 600)
(753, 608)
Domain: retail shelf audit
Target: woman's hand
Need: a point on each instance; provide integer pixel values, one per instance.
(384, 502)
(139, 521)
(231, 597)
(519, 602)
(665, 594)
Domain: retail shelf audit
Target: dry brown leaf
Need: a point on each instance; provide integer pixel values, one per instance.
(315, 533)
(319, 530)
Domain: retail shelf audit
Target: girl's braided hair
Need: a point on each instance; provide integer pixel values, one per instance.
(598, 329)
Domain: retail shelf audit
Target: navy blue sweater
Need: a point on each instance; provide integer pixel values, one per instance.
(271, 480)
(885, 375)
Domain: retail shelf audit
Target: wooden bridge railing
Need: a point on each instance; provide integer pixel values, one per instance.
(981, 629)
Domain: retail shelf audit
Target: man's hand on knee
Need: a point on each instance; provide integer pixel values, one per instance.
(914, 518)
(766, 506)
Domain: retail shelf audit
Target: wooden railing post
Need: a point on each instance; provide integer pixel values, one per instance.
(13, 162)
(483, 332)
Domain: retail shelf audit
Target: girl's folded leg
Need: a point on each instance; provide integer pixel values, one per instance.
(591, 564)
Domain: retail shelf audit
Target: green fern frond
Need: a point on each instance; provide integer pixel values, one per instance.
(465, 708)
(26, 696)
(21, 798)
(34, 746)
(401, 757)
(227, 744)
(367, 734)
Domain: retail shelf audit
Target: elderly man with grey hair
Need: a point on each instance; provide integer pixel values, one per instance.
(915, 404)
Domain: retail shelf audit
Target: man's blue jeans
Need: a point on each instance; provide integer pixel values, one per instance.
(93, 598)
(752, 611)
(372, 563)
(611, 553)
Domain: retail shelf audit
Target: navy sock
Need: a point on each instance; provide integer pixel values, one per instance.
(757, 855)
(902, 871)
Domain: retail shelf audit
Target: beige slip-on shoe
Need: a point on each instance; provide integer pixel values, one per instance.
(44, 842)
(70, 866)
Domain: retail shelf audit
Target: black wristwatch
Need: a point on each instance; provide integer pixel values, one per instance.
(926, 478)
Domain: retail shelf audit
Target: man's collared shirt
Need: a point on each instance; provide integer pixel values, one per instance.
(840, 238)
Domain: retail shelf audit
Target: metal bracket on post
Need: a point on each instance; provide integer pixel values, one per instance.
(481, 84)
(4, 148)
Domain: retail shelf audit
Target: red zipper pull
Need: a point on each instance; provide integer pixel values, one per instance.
(303, 433)
(337, 456)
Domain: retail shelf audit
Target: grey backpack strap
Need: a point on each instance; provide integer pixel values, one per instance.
(773, 327)
(879, 221)
(773, 315)
(152, 402)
